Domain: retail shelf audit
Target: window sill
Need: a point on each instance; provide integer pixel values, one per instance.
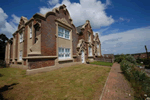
(67, 59)
(64, 38)
(90, 56)
(19, 61)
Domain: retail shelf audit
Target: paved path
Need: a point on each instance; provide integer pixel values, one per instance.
(117, 87)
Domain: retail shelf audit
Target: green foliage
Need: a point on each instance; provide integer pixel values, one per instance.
(127, 57)
(130, 59)
(3, 40)
(139, 81)
(3, 64)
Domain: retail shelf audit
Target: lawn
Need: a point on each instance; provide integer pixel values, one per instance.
(79, 82)
(101, 63)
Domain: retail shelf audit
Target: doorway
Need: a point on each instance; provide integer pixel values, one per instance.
(82, 56)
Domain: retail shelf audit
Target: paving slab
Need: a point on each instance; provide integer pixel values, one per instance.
(116, 86)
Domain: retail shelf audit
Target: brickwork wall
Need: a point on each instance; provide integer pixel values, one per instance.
(38, 63)
(11, 50)
(16, 50)
(25, 42)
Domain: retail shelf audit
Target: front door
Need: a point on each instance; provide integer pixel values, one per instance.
(82, 56)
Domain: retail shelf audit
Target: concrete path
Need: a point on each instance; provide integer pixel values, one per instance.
(116, 86)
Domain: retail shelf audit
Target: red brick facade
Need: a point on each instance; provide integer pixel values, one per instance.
(41, 49)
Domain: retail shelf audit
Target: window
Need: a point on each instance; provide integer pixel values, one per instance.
(89, 37)
(97, 46)
(90, 51)
(21, 37)
(20, 55)
(63, 33)
(30, 31)
(63, 53)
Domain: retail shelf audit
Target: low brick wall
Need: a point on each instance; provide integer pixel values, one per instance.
(111, 60)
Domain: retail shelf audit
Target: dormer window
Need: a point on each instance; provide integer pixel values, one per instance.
(21, 37)
(30, 31)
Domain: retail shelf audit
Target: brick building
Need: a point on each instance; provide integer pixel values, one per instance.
(141, 55)
(51, 40)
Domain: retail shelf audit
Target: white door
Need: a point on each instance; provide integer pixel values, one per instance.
(82, 56)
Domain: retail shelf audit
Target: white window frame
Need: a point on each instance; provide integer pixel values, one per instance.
(30, 28)
(89, 38)
(20, 55)
(63, 33)
(97, 45)
(64, 53)
(90, 51)
(21, 37)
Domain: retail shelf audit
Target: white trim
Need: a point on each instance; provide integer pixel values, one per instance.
(20, 55)
(90, 51)
(63, 33)
(21, 37)
(63, 52)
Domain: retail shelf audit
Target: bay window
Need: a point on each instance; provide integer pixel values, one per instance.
(63, 53)
(64, 33)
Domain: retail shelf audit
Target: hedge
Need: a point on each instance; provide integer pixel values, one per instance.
(138, 79)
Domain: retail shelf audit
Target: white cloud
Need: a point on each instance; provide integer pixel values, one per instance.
(131, 41)
(8, 28)
(3, 17)
(53, 2)
(92, 10)
(108, 2)
(121, 19)
(15, 19)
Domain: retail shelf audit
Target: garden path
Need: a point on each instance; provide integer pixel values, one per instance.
(116, 86)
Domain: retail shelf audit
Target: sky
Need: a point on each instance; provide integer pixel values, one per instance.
(123, 25)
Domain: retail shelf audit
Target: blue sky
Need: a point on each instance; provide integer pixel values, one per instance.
(123, 25)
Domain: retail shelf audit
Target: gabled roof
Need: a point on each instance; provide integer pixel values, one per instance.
(79, 28)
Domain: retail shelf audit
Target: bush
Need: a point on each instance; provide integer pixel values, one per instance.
(139, 81)
(3, 64)
(130, 59)
(125, 57)
(147, 66)
(120, 58)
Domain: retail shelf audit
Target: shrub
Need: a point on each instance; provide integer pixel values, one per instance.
(120, 58)
(130, 59)
(3, 64)
(139, 81)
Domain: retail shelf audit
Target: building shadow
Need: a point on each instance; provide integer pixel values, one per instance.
(6, 88)
(1, 75)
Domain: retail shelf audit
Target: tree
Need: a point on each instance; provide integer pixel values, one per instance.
(3, 40)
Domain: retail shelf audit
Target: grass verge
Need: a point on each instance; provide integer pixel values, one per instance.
(80, 82)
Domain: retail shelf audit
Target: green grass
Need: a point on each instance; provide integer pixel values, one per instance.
(101, 63)
(80, 82)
